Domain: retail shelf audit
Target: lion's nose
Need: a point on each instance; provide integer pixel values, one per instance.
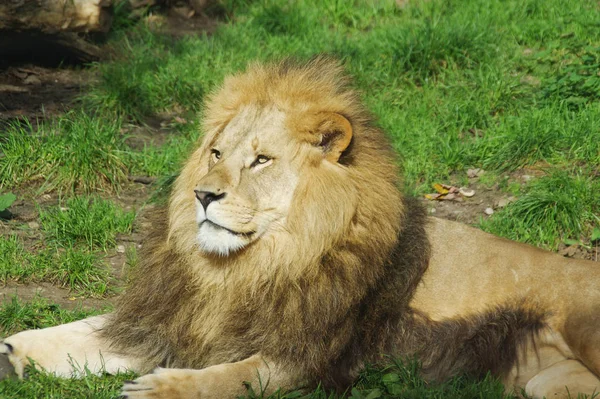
(206, 197)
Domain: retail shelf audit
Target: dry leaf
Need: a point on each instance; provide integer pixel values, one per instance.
(440, 188)
(433, 197)
(449, 193)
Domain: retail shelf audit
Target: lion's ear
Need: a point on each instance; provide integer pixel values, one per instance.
(335, 133)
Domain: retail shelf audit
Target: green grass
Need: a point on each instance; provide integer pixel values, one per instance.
(77, 270)
(557, 207)
(77, 152)
(16, 315)
(88, 221)
(492, 84)
(166, 160)
(430, 73)
(44, 385)
(74, 233)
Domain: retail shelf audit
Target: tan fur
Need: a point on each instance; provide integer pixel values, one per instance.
(288, 257)
(484, 270)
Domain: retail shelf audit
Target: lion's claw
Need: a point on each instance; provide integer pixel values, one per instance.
(163, 384)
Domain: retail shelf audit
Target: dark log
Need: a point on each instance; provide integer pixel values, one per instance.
(53, 16)
(46, 49)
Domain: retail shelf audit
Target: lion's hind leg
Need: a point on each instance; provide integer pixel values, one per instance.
(548, 367)
(67, 350)
(566, 379)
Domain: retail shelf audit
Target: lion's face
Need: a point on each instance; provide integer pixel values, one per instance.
(276, 175)
(253, 170)
(254, 166)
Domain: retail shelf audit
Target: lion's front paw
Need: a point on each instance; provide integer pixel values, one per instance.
(166, 384)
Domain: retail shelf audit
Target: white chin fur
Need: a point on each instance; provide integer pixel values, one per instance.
(215, 240)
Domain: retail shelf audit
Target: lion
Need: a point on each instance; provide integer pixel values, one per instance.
(287, 257)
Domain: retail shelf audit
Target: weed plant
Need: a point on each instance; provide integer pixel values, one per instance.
(17, 315)
(557, 205)
(75, 269)
(78, 151)
(89, 221)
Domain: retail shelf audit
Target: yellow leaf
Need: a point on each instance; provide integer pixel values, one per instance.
(440, 189)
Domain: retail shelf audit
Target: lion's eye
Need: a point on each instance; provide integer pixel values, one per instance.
(260, 160)
(216, 154)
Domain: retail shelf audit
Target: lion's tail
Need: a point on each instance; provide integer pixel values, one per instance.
(475, 345)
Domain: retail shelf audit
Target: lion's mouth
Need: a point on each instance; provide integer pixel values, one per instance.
(236, 233)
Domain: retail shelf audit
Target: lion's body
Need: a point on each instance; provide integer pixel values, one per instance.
(470, 270)
(288, 254)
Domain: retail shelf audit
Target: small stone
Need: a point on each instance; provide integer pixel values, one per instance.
(526, 177)
(33, 225)
(121, 249)
(450, 196)
(476, 172)
(488, 211)
(32, 80)
(502, 202)
(432, 210)
(569, 251)
(465, 192)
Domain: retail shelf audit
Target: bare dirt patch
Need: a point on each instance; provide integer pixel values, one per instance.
(467, 210)
(36, 92)
(56, 295)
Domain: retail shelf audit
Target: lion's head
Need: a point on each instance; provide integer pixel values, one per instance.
(283, 159)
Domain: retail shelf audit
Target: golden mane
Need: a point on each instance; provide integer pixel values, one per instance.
(303, 92)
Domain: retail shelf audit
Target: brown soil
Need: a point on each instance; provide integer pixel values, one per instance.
(37, 92)
(32, 91)
(467, 210)
(57, 295)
